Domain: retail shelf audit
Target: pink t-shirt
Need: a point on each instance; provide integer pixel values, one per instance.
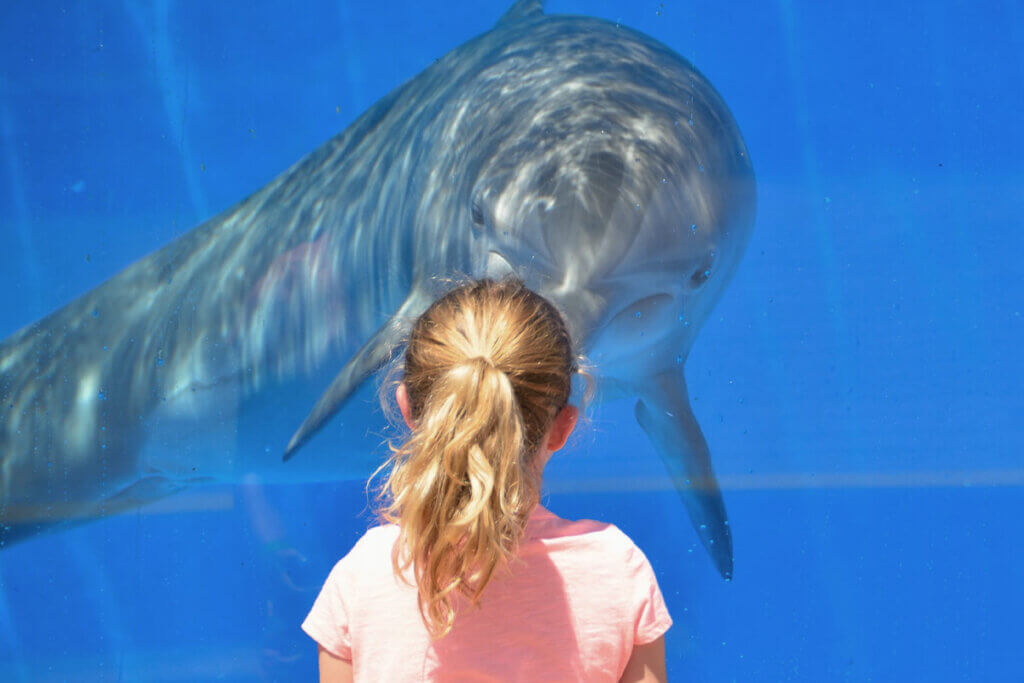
(580, 595)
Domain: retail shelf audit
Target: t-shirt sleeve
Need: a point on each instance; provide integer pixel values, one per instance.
(651, 618)
(327, 622)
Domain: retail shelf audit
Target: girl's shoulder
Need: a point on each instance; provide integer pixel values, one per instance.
(368, 548)
(604, 537)
(617, 543)
(376, 537)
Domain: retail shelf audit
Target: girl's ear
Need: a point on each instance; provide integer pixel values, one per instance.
(402, 396)
(565, 422)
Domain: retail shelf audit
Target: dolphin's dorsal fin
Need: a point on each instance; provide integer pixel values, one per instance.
(367, 360)
(522, 9)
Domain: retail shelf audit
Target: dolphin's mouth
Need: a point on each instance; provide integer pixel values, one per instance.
(629, 334)
(649, 317)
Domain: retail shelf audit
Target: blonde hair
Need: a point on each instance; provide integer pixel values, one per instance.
(487, 368)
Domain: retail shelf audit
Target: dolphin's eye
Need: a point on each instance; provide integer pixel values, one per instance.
(703, 271)
(699, 277)
(478, 214)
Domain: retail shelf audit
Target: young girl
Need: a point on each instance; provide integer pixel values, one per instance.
(470, 578)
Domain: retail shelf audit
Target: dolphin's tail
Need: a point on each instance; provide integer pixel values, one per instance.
(20, 412)
(664, 412)
(64, 454)
(11, 530)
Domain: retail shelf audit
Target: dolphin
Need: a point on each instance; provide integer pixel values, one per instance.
(586, 158)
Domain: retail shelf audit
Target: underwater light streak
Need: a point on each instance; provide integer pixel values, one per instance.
(21, 215)
(808, 480)
(199, 501)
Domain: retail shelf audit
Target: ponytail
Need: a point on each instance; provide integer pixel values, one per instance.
(486, 369)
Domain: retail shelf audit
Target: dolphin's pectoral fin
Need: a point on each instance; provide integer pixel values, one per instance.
(367, 360)
(664, 412)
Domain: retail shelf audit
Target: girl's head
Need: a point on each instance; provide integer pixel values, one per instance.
(488, 373)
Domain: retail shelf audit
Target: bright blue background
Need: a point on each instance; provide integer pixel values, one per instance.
(859, 383)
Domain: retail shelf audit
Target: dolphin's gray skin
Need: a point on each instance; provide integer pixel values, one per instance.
(591, 160)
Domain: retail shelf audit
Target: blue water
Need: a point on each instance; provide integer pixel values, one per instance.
(859, 383)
